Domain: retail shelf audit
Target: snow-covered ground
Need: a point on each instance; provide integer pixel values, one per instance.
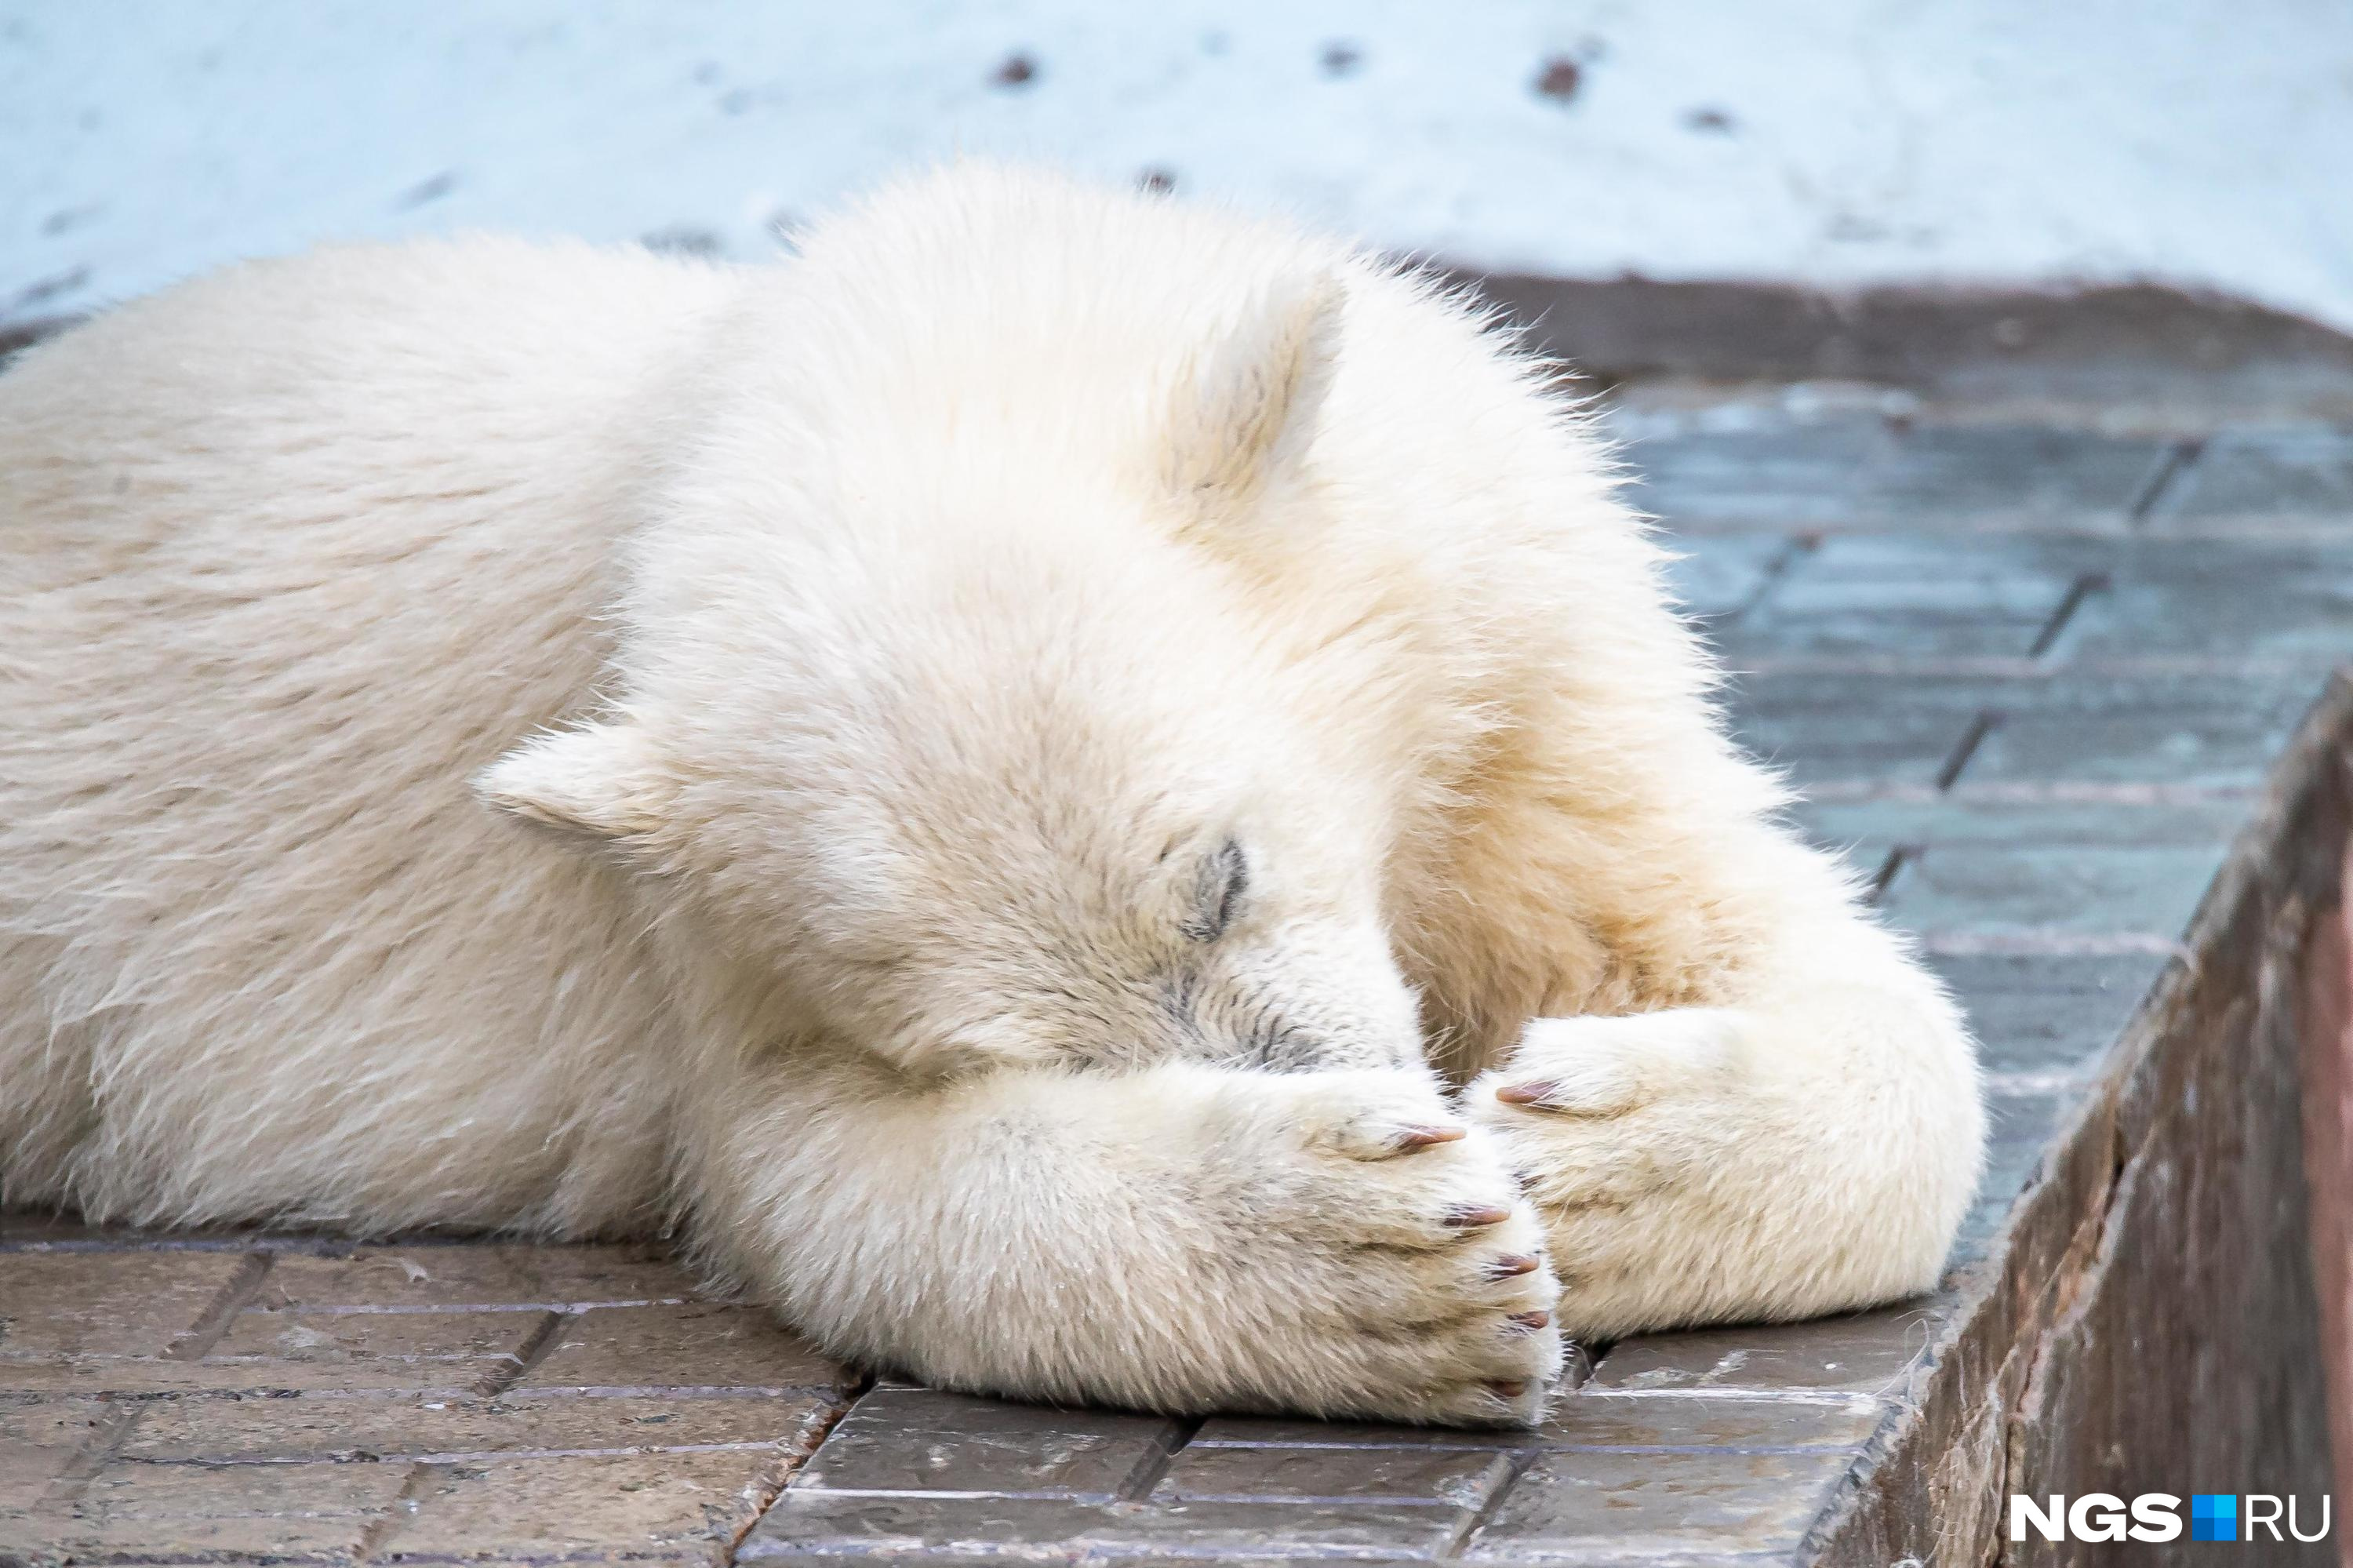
(2204, 142)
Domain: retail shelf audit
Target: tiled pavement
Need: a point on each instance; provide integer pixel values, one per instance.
(201, 1398)
(2030, 680)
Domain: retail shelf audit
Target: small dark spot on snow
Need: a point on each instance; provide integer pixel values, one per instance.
(425, 191)
(1019, 70)
(1713, 120)
(1560, 79)
(683, 239)
(1852, 227)
(70, 218)
(50, 288)
(1341, 58)
(1159, 182)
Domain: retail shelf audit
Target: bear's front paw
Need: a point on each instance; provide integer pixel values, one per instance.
(1630, 1135)
(1600, 1111)
(1415, 1268)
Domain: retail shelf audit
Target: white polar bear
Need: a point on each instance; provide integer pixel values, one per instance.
(994, 773)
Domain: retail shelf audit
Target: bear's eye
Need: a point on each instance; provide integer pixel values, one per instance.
(1217, 889)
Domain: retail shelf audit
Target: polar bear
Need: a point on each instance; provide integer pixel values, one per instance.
(1096, 799)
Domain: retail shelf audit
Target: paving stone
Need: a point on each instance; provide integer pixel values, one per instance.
(515, 1275)
(2264, 476)
(679, 1348)
(62, 1307)
(235, 1510)
(1864, 1352)
(1885, 594)
(2060, 479)
(356, 1339)
(2174, 731)
(662, 1507)
(1776, 476)
(278, 1430)
(2226, 599)
(1869, 834)
(1306, 1529)
(919, 1440)
(2168, 735)
(39, 1439)
(1610, 1507)
(454, 1353)
(49, 1347)
(1600, 1418)
(2042, 1012)
(2049, 890)
(1982, 819)
(857, 1526)
(1831, 729)
(1857, 473)
(866, 1525)
(1458, 1478)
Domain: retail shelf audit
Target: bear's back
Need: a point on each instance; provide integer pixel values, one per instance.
(288, 554)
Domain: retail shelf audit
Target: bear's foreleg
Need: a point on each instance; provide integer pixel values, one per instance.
(1807, 1146)
(1185, 1238)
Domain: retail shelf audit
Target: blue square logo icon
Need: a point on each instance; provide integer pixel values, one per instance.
(2214, 1516)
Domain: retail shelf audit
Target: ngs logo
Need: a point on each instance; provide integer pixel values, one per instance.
(2157, 1516)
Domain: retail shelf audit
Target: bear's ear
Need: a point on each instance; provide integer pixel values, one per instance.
(1246, 406)
(604, 778)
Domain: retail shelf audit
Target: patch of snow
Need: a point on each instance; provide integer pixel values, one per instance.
(1827, 142)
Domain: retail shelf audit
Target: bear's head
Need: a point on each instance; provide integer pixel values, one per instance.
(971, 752)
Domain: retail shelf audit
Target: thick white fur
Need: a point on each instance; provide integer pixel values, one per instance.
(994, 772)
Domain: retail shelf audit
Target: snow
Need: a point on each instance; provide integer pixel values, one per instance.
(1828, 142)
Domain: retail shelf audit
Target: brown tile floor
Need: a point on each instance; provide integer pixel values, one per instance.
(398, 1402)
